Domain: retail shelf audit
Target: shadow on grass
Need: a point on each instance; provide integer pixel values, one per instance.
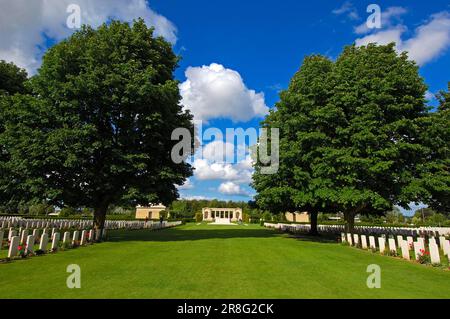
(182, 234)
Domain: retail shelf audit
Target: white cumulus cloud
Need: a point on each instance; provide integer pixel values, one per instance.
(213, 91)
(25, 26)
(429, 41)
(230, 188)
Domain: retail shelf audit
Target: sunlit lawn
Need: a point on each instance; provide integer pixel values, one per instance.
(203, 261)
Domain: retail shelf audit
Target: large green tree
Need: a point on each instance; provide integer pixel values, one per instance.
(432, 183)
(12, 81)
(96, 129)
(12, 78)
(303, 120)
(351, 128)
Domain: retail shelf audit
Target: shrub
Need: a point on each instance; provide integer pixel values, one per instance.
(198, 217)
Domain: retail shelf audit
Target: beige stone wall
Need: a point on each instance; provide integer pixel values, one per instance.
(148, 212)
(297, 217)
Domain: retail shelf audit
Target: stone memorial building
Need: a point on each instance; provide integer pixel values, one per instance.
(222, 215)
(150, 212)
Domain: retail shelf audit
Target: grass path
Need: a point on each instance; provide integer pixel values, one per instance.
(205, 261)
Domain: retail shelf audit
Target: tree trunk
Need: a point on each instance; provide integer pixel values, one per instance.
(313, 231)
(99, 219)
(349, 221)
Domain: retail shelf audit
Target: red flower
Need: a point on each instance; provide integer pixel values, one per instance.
(20, 247)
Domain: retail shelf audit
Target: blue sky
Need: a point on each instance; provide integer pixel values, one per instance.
(266, 42)
(237, 55)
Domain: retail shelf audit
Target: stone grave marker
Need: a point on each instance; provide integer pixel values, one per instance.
(83, 238)
(75, 238)
(66, 238)
(44, 242)
(372, 244)
(30, 244)
(410, 240)
(355, 239)
(445, 247)
(55, 241)
(23, 236)
(434, 253)
(405, 249)
(392, 246)
(13, 247)
(363, 242)
(382, 244)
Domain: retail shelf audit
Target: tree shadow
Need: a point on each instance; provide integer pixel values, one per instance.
(191, 234)
(180, 234)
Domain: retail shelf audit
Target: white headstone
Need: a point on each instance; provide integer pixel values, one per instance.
(363, 242)
(13, 246)
(11, 233)
(421, 240)
(66, 238)
(434, 253)
(30, 244)
(445, 247)
(349, 239)
(36, 235)
(83, 238)
(343, 238)
(382, 244)
(75, 238)
(405, 249)
(372, 243)
(410, 241)
(441, 242)
(23, 236)
(418, 247)
(432, 240)
(392, 246)
(55, 241)
(91, 235)
(399, 240)
(355, 239)
(44, 242)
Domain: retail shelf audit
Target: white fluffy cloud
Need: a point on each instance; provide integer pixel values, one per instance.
(187, 185)
(217, 92)
(348, 9)
(429, 41)
(231, 188)
(218, 151)
(26, 25)
(239, 173)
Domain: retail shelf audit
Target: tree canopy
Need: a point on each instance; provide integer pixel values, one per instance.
(348, 133)
(96, 128)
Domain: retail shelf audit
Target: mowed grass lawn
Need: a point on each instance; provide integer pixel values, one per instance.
(202, 261)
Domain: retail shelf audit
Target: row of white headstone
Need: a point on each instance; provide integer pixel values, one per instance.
(405, 245)
(62, 224)
(28, 241)
(367, 230)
